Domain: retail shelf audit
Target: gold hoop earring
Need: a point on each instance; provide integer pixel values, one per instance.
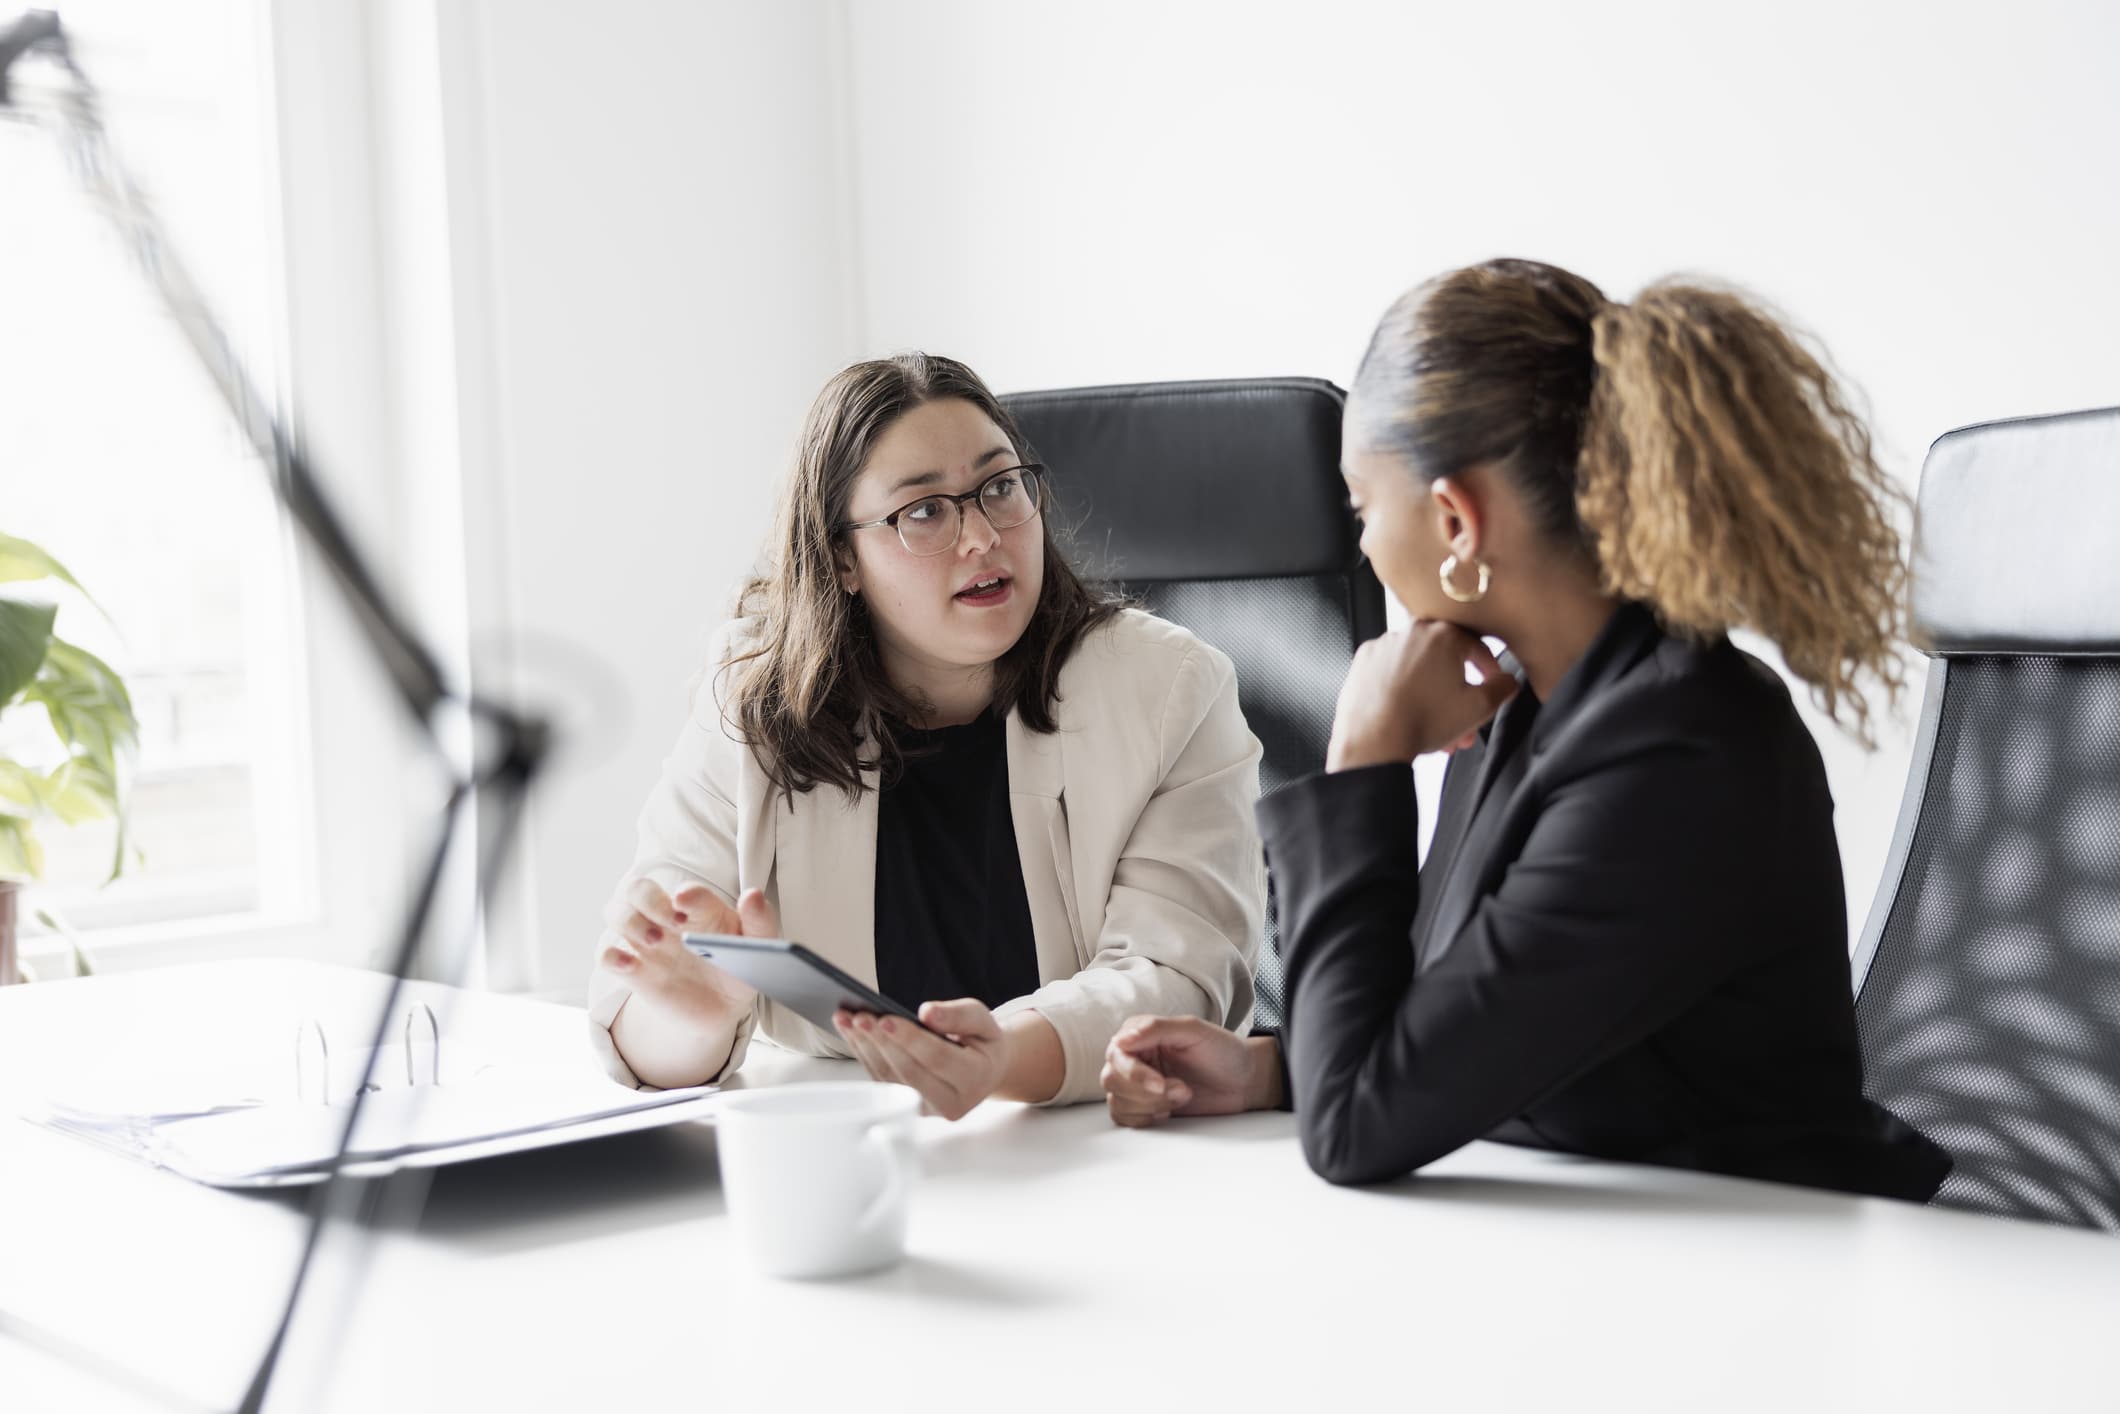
(1449, 571)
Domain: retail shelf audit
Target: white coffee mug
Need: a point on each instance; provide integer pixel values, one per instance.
(817, 1177)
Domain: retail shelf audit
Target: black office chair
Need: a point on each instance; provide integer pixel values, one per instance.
(1988, 978)
(1219, 506)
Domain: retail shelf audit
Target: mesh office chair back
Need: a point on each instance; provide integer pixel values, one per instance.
(1988, 978)
(1219, 506)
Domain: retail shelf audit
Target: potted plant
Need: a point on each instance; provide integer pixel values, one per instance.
(70, 774)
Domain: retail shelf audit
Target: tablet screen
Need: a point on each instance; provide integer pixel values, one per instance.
(795, 977)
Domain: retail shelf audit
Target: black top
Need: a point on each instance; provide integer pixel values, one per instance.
(1630, 939)
(952, 919)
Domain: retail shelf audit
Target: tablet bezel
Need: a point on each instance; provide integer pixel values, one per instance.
(797, 978)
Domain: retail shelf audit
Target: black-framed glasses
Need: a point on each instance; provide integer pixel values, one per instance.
(931, 525)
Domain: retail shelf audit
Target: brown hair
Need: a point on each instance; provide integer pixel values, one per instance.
(812, 690)
(1709, 465)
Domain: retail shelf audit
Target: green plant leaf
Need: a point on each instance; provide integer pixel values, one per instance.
(81, 790)
(65, 930)
(91, 714)
(76, 730)
(21, 561)
(87, 789)
(21, 857)
(25, 641)
(90, 710)
(90, 681)
(25, 790)
(120, 849)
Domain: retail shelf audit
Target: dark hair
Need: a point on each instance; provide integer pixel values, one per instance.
(1706, 462)
(811, 689)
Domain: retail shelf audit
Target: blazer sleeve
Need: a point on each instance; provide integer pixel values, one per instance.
(686, 834)
(1603, 929)
(1188, 896)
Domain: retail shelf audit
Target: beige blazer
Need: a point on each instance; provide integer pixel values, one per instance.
(1141, 858)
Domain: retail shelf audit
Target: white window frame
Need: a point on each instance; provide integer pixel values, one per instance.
(347, 204)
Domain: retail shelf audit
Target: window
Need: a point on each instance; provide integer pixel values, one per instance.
(117, 457)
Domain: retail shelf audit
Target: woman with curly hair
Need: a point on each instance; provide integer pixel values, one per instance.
(1630, 937)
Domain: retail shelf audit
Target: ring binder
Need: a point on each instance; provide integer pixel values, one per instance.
(263, 1127)
(434, 1042)
(304, 1067)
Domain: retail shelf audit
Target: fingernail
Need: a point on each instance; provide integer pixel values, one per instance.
(655, 934)
(684, 918)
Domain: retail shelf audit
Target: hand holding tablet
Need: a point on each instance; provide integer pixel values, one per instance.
(795, 977)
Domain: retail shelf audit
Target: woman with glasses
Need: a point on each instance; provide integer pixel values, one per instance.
(927, 751)
(1629, 938)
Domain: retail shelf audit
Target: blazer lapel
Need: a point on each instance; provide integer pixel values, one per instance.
(1506, 756)
(825, 875)
(1038, 810)
(1453, 816)
(1505, 787)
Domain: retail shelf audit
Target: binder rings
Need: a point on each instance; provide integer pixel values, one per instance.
(277, 1123)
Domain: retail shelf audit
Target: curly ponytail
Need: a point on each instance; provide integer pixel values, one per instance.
(1725, 481)
(1705, 461)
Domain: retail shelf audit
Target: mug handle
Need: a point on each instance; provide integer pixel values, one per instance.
(891, 1142)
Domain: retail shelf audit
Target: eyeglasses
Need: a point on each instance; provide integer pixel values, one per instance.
(931, 525)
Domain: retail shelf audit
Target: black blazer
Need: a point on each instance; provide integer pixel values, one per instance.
(1630, 939)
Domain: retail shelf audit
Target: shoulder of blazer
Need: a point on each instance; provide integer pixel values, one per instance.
(731, 763)
(1712, 702)
(1128, 666)
(733, 636)
(1738, 695)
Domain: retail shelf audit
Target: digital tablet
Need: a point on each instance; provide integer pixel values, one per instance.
(795, 977)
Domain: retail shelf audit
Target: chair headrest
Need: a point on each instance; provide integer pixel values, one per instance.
(2017, 538)
(1224, 479)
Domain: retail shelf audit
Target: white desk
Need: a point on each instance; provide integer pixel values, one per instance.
(1061, 1262)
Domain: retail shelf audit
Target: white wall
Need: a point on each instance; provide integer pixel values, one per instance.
(652, 277)
(669, 230)
(1104, 192)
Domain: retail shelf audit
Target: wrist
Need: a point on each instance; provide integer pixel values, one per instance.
(1355, 753)
(736, 996)
(1033, 1064)
(1263, 1089)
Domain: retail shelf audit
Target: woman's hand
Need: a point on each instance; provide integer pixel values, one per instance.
(1158, 1066)
(952, 1079)
(1406, 695)
(677, 1025)
(650, 951)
